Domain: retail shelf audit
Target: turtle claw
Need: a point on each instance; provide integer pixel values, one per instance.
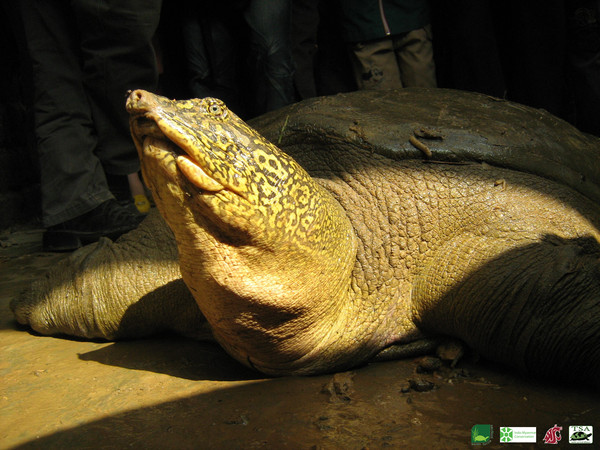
(451, 350)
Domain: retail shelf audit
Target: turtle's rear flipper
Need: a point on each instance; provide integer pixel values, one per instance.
(529, 303)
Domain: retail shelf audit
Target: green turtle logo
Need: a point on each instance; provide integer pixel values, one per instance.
(579, 434)
(481, 434)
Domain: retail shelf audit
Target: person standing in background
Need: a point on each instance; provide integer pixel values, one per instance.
(239, 51)
(390, 42)
(85, 55)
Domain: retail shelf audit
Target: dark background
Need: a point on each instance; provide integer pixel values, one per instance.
(545, 54)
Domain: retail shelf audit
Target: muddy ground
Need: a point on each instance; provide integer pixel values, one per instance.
(171, 392)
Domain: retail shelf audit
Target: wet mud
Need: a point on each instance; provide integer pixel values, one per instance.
(171, 392)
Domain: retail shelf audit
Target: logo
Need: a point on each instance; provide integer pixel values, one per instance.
(553, 435)
(581, 434)
(481, 434)
(517, 434)
(506, 434)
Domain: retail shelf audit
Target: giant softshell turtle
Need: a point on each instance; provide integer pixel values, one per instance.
(399, 216)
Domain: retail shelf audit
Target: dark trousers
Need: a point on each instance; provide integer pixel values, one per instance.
(213, 40)
(86, 55)
(271, 53)
(211, 52)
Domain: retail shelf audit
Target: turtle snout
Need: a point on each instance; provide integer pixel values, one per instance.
(140, 102)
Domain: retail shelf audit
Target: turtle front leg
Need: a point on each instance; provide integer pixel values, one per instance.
(532, 304)
(113, 290)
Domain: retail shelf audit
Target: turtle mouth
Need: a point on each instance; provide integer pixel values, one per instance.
(143, 127)
(148, 135)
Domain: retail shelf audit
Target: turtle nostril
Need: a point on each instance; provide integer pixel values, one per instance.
(136, 95)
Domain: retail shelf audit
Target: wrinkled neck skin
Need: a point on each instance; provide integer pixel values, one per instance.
(276, 306)
(266, 252)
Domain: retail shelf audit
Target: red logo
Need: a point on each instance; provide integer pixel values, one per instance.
(553, 435)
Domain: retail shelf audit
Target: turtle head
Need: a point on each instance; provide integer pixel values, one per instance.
(264, 249)
(202, 150)
(247, 190)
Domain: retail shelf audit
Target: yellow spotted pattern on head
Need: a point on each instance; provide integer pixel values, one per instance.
(276, 197)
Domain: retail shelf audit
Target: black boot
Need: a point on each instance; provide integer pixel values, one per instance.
(109, 219)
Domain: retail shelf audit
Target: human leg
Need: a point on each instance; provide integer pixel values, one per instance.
(375, 65)
(117, 53)
(72, 179)
(414, 53)
(271, 49)
(305, 26)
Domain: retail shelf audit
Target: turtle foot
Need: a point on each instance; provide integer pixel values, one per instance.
(115, 290)
(61, 302)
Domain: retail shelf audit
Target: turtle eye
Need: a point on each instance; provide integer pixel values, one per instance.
(217, 109)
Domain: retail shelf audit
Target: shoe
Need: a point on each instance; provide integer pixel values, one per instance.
(142, 203)
(109, 219)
